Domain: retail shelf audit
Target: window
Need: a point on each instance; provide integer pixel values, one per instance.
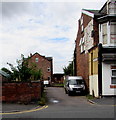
(112, 7)
(48, 69)
(82, 45)
(36, 59)
(49, 78)
(113, 77)
(81, 20)
(82, 27)
(113, 32)
(104, 33)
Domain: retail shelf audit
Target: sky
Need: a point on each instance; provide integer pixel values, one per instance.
(48, 27)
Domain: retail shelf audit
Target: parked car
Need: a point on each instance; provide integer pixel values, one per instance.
(74, 84)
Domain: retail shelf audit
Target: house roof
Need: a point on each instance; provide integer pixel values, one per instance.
(48, 58)
(103, 9)
(94, 12)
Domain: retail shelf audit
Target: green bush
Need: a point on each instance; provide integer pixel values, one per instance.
(43, 99)
(90, 97)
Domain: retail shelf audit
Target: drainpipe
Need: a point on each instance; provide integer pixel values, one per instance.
(100, 70)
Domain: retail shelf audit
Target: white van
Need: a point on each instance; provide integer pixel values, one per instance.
(74, 84)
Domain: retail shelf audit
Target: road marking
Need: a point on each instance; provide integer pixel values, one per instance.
(26, 111)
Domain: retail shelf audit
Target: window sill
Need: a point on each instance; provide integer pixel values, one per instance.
(112, 86)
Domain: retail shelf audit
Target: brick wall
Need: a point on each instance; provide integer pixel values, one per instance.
(21, 92)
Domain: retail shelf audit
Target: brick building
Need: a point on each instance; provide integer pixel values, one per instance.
(83, 45)
(42, 63)
(94, 50)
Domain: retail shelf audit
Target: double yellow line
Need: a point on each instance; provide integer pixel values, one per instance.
(26, 111)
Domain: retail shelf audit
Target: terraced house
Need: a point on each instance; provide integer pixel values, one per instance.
(95, 49)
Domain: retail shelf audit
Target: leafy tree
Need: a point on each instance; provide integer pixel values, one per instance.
(22, 72)
(36, 74)
(69, 69)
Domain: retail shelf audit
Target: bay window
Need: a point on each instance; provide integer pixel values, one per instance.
(112, 7)
(113, 33)
(104, 33)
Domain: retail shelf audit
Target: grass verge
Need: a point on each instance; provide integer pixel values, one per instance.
(58, 85)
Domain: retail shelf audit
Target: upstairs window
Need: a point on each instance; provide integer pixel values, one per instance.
(112, 7)
(82, 27)
(36, 59)
(82, 45)
(48, 69)
(104, 33)
(113, 32)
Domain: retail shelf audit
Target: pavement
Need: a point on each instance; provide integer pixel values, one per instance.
(15, 107)
(104, 101)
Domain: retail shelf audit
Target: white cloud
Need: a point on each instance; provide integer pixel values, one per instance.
(48, 28)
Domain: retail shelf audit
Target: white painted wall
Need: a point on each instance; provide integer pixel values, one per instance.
(106, 80)
(93, 85)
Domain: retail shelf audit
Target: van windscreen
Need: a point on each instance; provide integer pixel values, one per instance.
(76, 82)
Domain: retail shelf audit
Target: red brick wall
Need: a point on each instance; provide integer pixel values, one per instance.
(2, 78)
(42, 64)
(22, 92)
(82, 60)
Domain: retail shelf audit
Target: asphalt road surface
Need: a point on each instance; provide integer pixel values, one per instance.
(60, 105)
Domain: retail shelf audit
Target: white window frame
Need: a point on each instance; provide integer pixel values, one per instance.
(108, 35)
(111, 34)
(82, 27)
(82, 44)
(111, 8)
(113, 76)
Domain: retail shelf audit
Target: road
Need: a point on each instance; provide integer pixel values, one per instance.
(60, 105)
